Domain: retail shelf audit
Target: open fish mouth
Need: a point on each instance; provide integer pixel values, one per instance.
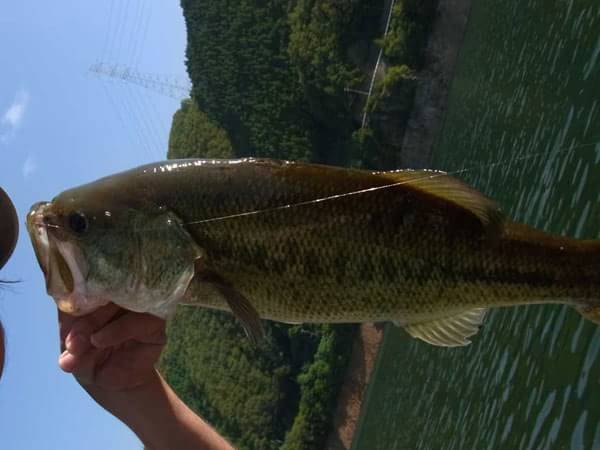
(61, 261)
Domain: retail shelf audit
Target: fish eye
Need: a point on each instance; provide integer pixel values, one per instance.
(78, 223)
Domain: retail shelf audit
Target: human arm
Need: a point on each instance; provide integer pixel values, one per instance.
(112, 353)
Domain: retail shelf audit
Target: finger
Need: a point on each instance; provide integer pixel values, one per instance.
(128, 368)
(77, 340)
(71, 363)
(77, 343)
(105, 314)
(143, 328)
(83, 367)
(87, 324)
(65, 321)
(67, 361)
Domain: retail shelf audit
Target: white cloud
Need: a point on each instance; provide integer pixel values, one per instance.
(13, 116)
(29, 166)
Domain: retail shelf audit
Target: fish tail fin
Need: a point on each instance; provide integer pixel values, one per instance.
(590, 307)
(591, 313)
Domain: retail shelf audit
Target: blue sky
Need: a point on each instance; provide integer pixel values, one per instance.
(62, 125)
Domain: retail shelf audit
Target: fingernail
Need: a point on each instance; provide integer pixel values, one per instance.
(64, 361)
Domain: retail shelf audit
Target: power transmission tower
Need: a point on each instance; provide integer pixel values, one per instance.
(162, 84)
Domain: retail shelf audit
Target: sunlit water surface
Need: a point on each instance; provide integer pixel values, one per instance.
(528, 83)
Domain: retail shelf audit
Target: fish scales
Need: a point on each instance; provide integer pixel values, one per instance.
(379, 255)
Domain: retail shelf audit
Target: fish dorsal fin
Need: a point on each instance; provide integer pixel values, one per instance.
(451, 331)
(453, 190)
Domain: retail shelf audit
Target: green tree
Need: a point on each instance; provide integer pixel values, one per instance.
(193, 134)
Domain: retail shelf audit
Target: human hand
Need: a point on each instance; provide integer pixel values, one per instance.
(112, 352)
(111, 348)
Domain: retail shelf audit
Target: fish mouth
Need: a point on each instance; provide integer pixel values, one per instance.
(61, 261)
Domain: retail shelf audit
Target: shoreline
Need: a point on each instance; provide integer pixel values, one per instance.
(422, 131)
(365, 347)
(431, 97)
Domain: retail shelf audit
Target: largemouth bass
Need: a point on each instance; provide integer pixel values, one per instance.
(297, 242)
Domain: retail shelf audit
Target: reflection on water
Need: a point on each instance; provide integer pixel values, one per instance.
(526, 94)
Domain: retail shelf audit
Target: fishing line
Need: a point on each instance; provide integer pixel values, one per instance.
(434, 174)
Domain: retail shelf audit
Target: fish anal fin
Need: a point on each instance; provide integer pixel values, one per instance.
(239, 305)
(455, 191)
(451, 331)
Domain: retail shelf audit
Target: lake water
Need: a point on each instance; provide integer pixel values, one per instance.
(524, 119)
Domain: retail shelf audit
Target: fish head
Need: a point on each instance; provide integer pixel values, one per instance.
(97, 245)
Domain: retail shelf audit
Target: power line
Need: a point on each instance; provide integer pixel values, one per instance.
(115, 32)
(136, 28)
(122, 37)
(127, 28)
(105, 47)
(124, 122)
(144, 30)
(147, 121)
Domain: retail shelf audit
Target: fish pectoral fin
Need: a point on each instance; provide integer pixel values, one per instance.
(240, 306)
(453, 190)
(243, 310)
(451, 331)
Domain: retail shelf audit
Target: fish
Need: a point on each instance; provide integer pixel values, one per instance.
(296, 242)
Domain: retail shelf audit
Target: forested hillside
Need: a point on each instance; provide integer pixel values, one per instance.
(273, 73)
(271, 79)
(255, 395)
